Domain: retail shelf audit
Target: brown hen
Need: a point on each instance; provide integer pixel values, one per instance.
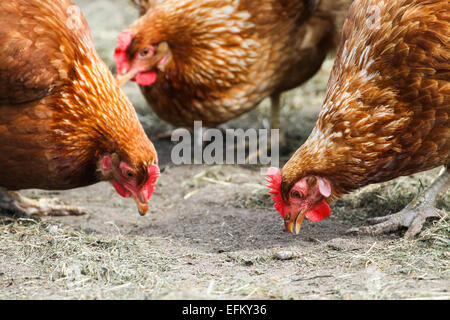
(214, 60)
(64, 122)
(386, 114)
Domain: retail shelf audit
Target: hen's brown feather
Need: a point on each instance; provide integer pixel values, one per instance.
(60, 108)
(386, 112)
(33, 63)
(230, 55)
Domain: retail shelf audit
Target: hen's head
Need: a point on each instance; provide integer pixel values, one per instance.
(189, 42)
(140, 59)
(306, 198)
(138, 181)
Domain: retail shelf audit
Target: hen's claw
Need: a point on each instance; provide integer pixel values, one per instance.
(20, 206)
(413, 216)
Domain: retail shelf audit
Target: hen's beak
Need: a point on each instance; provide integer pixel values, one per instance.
(141, 203)
(159, 60)
(294, 223)
(121, 79)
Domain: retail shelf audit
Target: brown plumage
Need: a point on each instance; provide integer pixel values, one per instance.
(64, 123)
(386, 111)
(224, 57)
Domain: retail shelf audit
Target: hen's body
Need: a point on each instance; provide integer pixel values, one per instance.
(60, 108)
(227, 56)
(386, 112)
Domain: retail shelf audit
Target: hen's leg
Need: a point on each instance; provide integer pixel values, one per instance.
(275, 111)
(20, 206)
(274, 124)
(276, 115)
(414, 214)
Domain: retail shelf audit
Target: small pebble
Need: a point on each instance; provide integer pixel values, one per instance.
(248, 262)
(53, 229)
(284, 255)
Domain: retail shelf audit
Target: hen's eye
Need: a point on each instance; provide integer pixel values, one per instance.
(144, 52)
(130, 174)
(296, 194)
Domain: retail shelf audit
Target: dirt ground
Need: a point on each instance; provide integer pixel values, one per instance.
(212, 231)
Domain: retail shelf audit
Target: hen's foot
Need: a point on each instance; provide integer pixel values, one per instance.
(20, 206)
(413, 216)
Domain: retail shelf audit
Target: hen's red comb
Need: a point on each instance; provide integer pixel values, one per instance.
(274, 179)
(124, 38)
(120, 54)
(149, 187)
